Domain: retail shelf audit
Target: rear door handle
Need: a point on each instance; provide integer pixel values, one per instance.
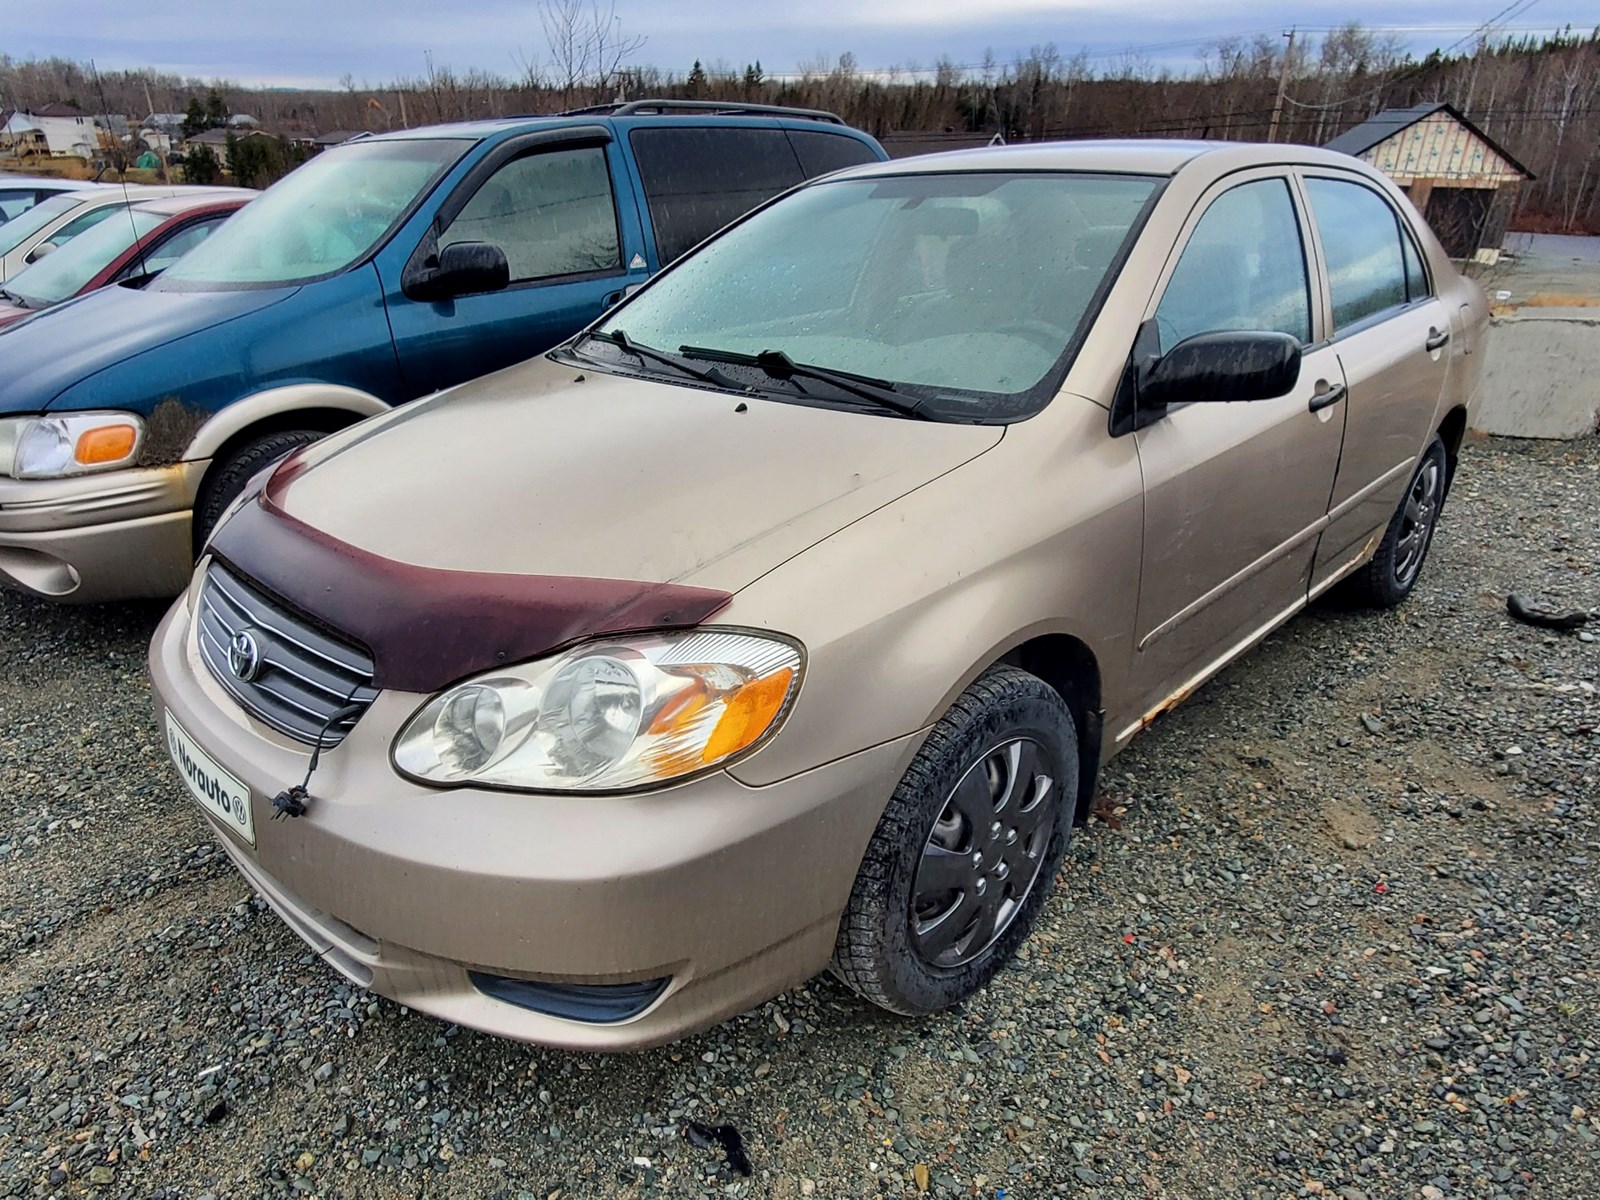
(1437, 340)
(1328, 398)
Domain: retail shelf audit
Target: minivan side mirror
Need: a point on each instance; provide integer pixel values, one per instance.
(465, 268)
(42, 250)
(1216, 367)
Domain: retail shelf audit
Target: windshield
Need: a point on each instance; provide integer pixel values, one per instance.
(965, 290)
(61, 275)
(19, 229)
(319, 218)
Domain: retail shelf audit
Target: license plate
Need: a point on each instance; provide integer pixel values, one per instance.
(219, 793)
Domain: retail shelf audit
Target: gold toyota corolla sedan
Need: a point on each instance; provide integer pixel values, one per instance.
(783, 619)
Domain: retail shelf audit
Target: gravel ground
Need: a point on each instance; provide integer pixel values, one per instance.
(1332, 935)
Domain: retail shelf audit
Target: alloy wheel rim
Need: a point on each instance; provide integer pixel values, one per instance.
(1416, 525)
(983, 856)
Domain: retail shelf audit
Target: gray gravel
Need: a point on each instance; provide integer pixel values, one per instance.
(1333, 936)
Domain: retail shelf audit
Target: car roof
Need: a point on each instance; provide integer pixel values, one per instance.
(172, 206)
(730, 116)
(8, 180)
(1137, 156)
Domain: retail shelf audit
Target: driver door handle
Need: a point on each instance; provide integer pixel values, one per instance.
(1329, 397)
(1437, 340)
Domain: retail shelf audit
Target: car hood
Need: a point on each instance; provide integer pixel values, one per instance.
(67, 343)
(551, 470)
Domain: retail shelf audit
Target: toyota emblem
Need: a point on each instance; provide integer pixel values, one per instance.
(244, 655)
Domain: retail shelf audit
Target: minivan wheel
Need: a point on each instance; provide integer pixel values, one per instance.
(228, 475)
(964, 856)
(1395, 567)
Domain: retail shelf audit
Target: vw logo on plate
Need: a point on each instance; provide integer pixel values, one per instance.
(244, 655)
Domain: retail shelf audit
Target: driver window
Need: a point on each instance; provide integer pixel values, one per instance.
(551, 213)
(1243, 269)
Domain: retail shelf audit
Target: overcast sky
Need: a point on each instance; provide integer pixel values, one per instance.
(315, 42)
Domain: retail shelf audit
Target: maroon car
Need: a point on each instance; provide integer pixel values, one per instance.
(132, 243)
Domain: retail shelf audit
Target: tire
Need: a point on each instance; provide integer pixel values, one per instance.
(898, 918)
(1392, 573)
(228, 475)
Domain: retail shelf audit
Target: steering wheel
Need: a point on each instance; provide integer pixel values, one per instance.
(1040, 333)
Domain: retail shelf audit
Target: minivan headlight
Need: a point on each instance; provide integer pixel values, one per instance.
(610, 715)
(51, 447)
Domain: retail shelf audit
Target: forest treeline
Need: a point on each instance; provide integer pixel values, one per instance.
(1538, 97)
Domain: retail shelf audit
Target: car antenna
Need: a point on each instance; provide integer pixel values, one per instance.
(127, 202)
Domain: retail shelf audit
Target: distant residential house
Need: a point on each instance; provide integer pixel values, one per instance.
(335, 137)
(62, 128)
(1462, 180)
(243, 121)
(20, 135)
(217, 139)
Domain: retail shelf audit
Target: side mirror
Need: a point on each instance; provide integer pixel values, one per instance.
(1215, 367)
(42, 250)
(464, 269)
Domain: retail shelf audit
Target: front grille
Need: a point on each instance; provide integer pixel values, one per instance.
(302, 674)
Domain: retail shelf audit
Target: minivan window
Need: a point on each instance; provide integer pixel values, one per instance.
(965, 289)
(16, 201)
(1244, 268)
(62, 274)
(1361, 245)
(19, 229)
(551, 213)
(319, 218)
(697, 180)
(820, 153)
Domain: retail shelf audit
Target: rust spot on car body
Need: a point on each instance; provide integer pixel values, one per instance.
(168, 432)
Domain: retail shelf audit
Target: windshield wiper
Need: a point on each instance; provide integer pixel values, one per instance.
(622, 341)
(780, 366)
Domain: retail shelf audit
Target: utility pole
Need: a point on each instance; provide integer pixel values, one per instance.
(1283, 87)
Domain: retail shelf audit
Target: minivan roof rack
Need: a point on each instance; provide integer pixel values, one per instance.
(728, 108)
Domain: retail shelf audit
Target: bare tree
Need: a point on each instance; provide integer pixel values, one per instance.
(587, 46)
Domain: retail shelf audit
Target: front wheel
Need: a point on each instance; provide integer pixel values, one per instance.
(230, 473)
(1396, 565)
(964, 856)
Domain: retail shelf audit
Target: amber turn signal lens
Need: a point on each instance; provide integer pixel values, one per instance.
(107, 444)
(747, 714)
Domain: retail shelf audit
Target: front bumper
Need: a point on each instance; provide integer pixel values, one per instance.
(120, 535)
(731, 893)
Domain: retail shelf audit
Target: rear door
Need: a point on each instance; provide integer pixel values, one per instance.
(1235, 493)
(1391, 335)
(550, 201)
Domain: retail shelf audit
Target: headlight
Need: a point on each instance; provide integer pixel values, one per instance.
(71, 444)
(623, 713)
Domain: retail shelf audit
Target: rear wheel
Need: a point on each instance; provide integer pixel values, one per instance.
(1395, 567)
(964, 856)
(229, 474)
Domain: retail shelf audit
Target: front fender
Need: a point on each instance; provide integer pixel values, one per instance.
(900, 611)
(221, 427)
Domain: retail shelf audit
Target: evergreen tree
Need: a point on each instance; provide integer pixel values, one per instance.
(194, 118)
(697, 80)
(216, 110)
(201, 166)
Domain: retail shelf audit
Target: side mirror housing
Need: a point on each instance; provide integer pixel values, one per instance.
(1220, 367)
(42, 250)
(464, 269)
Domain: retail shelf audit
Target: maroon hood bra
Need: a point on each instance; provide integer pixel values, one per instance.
(429, 627)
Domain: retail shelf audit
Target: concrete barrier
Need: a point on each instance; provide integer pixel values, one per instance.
(1541, 374)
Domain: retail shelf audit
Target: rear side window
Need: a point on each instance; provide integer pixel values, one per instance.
(820, 153)
(698, 180)
(88, 221)
(1362, 245)
(552, 213)
(16, 201)
(1243, 269)
(1416, 277)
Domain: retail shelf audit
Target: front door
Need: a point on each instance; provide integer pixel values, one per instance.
(1392, 336)
(1235, 493)
(553, 210)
